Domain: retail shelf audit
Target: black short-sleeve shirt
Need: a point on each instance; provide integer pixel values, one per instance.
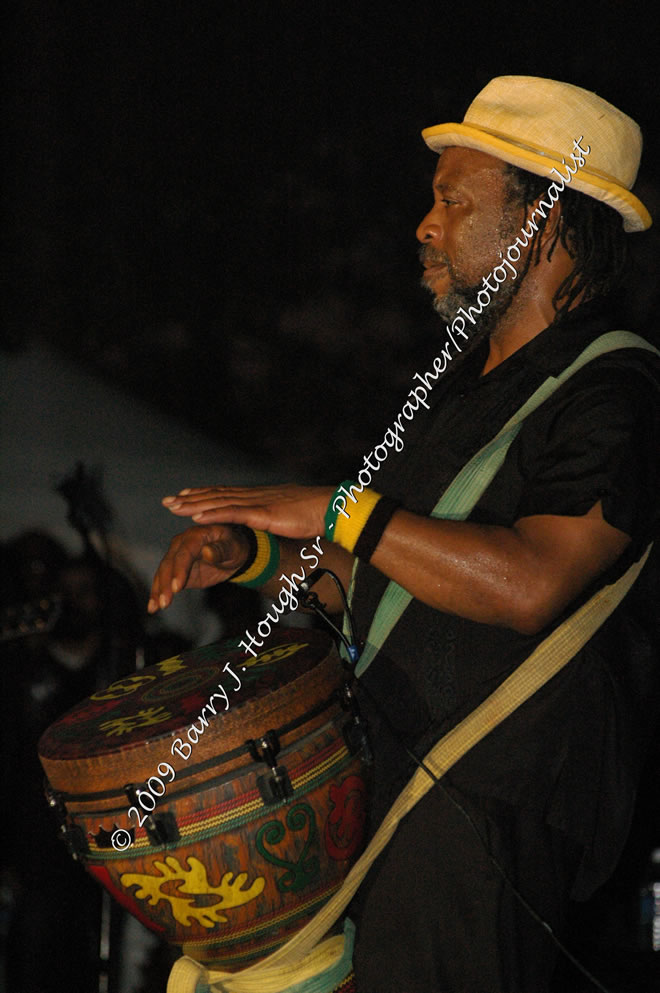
(571, 752)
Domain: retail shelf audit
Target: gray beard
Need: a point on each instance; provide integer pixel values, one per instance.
(465, 295)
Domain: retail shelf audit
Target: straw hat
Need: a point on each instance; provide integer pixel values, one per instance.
(532, 123)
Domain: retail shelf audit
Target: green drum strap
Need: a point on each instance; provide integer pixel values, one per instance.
(463, 493)
(323, 968)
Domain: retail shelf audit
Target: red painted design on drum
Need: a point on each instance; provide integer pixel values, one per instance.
(93, 710)
(344, 828)
(121, 896)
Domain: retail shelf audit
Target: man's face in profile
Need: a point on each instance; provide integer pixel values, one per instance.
(470, 223)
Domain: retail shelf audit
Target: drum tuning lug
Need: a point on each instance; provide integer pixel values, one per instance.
(276, 787)
(357, 739)
(131, 794)
(74, 838)
(161, 828)
(265, 749)
(71, 834)
(55, 802)
(348, 699)
(355, 729)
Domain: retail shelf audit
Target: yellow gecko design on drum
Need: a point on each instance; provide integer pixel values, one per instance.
(194, 882)
(144, 718)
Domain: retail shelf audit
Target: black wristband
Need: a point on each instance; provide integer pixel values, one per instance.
(372, 532)
(252, 549)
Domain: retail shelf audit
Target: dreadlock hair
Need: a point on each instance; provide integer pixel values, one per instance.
(590, 231)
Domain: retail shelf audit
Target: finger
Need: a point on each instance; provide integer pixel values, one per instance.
(191, 492)
(180, 498)
(209, 492)
(188, 506)
(194, 502)
(207, 498)
(174, 571)
(254, 517)
(163, 586)
(214, 554)
(160, 582)
(245, 509)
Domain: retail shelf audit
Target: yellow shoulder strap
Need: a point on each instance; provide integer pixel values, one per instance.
(284, 969)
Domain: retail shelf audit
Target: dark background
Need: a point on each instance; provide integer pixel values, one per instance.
(214, 204)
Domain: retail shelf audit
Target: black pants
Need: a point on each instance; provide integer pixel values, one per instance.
(435, 916)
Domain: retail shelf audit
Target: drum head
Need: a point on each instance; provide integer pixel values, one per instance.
(133, 723)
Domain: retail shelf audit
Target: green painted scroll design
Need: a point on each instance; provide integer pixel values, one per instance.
(306, 869)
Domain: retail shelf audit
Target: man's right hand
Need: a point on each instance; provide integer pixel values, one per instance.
(199, 557)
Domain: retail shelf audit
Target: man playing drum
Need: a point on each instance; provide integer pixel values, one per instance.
(521, 250)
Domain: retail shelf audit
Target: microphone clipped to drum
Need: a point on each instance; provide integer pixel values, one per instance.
(220, 798)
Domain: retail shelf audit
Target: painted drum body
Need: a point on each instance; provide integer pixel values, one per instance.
(222, 847)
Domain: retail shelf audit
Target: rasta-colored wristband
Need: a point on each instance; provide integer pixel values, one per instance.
(336, 506)
(262, 561)
(358, 526)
